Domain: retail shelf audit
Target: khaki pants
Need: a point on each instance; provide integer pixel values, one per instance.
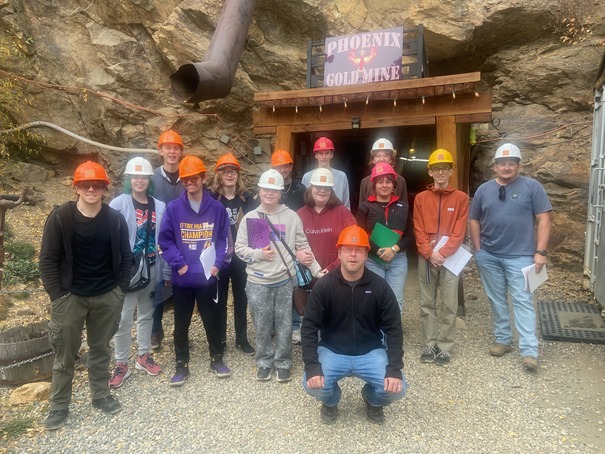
(68, 315)
(438, 316)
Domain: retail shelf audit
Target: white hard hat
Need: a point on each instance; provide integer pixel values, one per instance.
(322, 177)
(383, 145)
(138, 166)
(508, 150)
(271, 179)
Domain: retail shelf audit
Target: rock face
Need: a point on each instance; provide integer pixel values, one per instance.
(105, 67)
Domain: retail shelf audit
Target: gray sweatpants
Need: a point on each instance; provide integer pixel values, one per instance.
(271, 311)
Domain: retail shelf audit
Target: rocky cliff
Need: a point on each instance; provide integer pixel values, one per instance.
(101, 69)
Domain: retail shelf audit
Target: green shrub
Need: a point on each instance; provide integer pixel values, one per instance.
(19, 264)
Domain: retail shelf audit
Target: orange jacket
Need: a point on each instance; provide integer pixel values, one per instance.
(438, 213)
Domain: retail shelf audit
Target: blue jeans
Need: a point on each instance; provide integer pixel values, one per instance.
(369, 367)
(502, 276)
(394, 273)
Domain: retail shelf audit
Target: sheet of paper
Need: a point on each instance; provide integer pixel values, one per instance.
(534, 280)
(208, 259)
(458, 260)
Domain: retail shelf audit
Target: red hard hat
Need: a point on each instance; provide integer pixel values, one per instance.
(353, 235)
(280, 158)
(170, 136)
(191, 165)
(381, 169)
(90, 171)
(323, 144)
(227, 160)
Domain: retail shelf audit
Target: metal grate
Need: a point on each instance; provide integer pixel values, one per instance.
(571, 322)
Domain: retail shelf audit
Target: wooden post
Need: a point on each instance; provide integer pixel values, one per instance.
(446, 138)
(284, 140)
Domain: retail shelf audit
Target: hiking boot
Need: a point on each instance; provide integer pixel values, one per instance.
(55, 419)
(283, 375)
(530, 363)
(145, 362)
(374, 414)
(442, 358)
(428, 355)
(296, 339)
(219, 368)
(120, 373)
(263, 374)
(246, 348)
(181, 374)
(108, 404)
(329, 414)
(500, 349)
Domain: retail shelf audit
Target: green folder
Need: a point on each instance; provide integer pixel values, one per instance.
(382, 237)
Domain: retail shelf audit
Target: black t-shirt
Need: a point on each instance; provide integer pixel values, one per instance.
(93, 269)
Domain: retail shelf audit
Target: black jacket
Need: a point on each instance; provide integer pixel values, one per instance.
(56, 251)
(352, 321)
(395, 216)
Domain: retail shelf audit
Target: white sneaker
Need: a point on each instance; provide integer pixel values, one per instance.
(296, 337)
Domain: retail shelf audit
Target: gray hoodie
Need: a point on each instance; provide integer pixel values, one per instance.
(266, 272)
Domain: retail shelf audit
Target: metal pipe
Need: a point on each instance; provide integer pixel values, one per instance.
(213, 77)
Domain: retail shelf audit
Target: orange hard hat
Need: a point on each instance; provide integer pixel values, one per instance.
(323, 144)
(191, 165)
(227, 160)
(353, 235)
(381, 169)
(90, 171)
(170, 136)
(280, 158)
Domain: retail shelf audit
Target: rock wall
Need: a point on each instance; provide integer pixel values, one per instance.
(90, 55)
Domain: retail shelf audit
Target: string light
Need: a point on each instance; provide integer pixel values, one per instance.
(367, 100)
(477, 94)
(395, 102)
(345, 103)
(320, 108)
(453, 94)
(296, 108)
(423, 100)
(274, 109)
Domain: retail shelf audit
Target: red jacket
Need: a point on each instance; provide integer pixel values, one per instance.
(322, 231)
(438, 213)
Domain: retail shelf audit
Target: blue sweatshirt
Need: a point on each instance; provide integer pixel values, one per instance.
(184, 234)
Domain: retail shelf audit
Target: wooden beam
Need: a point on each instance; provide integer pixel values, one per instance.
(368, 90)
(447, 138)
(375, 114)
(284, 140)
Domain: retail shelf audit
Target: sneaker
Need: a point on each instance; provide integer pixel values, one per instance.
(263, 374)
(442, 358)
(296, 340)
(145, 362)
(181, 374)
(374, 414)
(55, 419)
(108, 404)
(219, 368)
(500, 349)
(283, 375)
(530, 363)
(246, 348)
(428, 355)
(329, 414)
(156, 342)
(120, 373)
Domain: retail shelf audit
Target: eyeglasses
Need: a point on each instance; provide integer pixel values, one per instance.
(190, 180)
(229, 172)
(440, 170)
(95, 185)
(502, 193)
(352, 250)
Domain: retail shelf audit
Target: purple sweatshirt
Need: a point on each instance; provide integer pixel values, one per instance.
(184, 234)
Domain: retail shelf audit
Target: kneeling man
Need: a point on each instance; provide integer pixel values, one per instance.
(354, 309)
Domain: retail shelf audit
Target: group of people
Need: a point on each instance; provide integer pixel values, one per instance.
(194, 235)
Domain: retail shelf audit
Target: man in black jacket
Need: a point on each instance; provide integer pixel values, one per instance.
(85, 261)
(354, 309)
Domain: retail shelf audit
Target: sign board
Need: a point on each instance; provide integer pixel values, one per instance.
(363, 58)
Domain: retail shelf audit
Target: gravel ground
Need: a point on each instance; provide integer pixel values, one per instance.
(477, 404)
